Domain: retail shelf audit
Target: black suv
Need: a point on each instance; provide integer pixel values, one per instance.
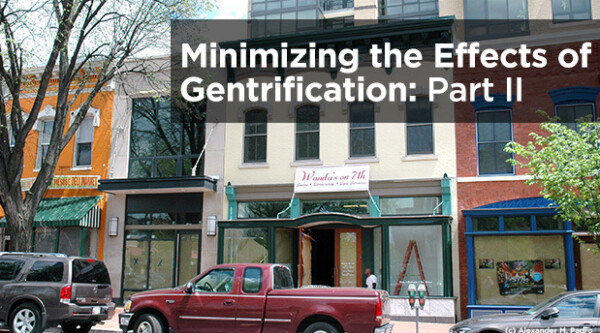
(41, 290)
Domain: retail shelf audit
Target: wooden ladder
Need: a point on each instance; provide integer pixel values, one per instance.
(412, 244)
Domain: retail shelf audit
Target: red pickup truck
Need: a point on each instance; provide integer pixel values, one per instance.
(255, 298)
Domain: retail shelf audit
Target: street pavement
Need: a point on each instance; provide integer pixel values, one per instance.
(112, 326)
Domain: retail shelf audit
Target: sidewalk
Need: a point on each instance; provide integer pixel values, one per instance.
(112, 326)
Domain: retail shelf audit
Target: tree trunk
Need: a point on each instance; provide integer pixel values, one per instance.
(20, 227)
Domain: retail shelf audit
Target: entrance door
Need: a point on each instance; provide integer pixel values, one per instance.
(348, 257)
(189, 254)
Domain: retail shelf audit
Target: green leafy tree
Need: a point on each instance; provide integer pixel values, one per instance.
(83, 45)
(565, 164)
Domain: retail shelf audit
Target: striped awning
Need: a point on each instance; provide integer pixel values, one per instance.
(67, 212)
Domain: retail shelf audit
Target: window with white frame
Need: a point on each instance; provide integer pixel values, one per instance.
(83, 143)
(44, 141)
(307, 133)
(419, 127)
(494, 131)
(362, 129)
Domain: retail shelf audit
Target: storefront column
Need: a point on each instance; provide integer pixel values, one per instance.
(295, 209)
(446, 196)
(231, 198)
(470, 263)
(570, 258)
(374, 207)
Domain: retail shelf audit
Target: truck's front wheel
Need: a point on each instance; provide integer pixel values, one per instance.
(321, 327)
(148, 323)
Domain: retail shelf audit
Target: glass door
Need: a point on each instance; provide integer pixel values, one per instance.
(348, 258)
(189, 255)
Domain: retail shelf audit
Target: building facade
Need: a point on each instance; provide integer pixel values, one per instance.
(71, 217)
(400, 227)
(505, 228)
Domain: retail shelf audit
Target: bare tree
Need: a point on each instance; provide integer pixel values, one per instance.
(83, 44)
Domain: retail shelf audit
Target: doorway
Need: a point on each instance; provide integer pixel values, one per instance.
(322, 257)
(331, 257)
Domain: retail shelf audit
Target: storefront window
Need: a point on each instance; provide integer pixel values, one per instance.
(248, 245)
(284, 238)
(548, 223)
(135, 267)
(410, 206)
(423, 245)
(45, 240)
(519, 270)
(517, 223)
(355, 206)
(486, 224)
(262, 209)
(70, 241)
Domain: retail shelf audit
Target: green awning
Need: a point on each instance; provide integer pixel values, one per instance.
(66, 212)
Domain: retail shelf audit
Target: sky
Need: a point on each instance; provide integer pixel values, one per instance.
(230, 9)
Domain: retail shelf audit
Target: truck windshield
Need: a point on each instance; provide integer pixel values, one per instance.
(90, 271)
(282, 278)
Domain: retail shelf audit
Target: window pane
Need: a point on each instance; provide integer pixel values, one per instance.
(547, 223)
(9, 269)
(357, 206)
(282, 278)
(577, 307)
(162, 264)
(362, 114)
(517, 223)
(410, 206)
(166, 167)
(46, 271)
(47, 131)
(135, 268)
(509, 269)
(45, 240)
(140, 169)
(419, 139)
(85, 132)
(142, 127)
(486, 224)
(69, 241)
(307, 118)
(216, 281)
(427, 240)
(84, 154)
(85, 271)
(252, 280)
(262, 209)
(245, 246)
(362, 142)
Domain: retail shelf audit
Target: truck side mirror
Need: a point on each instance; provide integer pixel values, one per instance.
(549, 313)
(189, 287)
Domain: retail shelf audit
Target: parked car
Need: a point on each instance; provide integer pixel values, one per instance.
(255, 298)
(572, 312)
(42, 290)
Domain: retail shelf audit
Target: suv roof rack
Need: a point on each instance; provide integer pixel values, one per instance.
(34, 254)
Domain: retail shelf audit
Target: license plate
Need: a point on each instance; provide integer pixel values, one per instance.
(96, 310)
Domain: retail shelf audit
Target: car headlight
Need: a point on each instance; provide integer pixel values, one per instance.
(460, 330)
(127, 306)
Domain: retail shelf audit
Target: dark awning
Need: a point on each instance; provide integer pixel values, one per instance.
(158, 185)
(66, 212)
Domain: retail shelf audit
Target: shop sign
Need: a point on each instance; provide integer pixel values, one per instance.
(65, 182)
(332, 179)
(520, 277)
